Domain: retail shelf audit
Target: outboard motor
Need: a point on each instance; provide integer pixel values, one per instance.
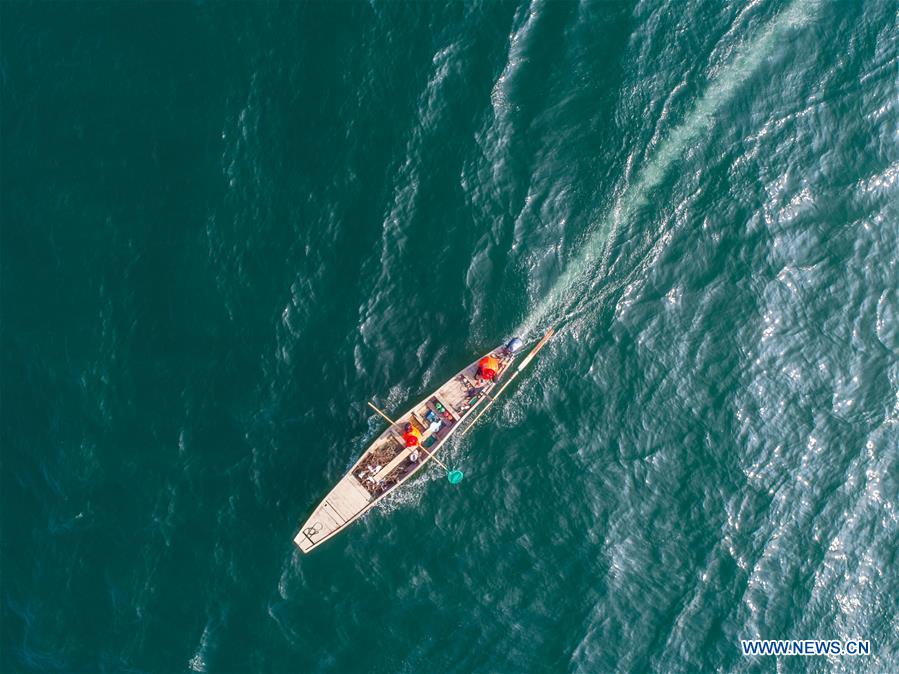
(514, 345)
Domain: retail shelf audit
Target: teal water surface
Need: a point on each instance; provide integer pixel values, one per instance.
(225, 226)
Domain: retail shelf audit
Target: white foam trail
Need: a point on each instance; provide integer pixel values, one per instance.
(720, 90)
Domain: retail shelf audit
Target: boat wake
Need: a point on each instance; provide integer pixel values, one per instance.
(564, 301)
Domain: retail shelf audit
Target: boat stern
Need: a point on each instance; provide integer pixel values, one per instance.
(342, 505)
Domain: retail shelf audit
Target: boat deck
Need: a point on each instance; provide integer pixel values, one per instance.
(387, 462)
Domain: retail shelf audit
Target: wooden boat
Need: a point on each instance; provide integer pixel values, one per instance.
(387, 463)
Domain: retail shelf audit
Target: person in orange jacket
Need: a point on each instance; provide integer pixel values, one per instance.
(488, 366)
(411, 435)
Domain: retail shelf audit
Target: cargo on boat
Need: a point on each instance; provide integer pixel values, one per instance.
(393, 458)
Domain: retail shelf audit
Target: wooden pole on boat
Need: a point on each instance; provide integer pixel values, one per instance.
(524, 363)
(389, 420)
(454, 476)
(442, 465)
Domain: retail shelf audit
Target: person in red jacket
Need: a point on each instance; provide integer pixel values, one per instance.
(488, 366)
(411, 435)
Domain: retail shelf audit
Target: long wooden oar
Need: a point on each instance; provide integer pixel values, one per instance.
(454, 476)
(442, 465)
(524, 363)
(389, 420)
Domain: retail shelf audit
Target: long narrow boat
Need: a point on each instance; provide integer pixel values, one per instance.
(387, 463)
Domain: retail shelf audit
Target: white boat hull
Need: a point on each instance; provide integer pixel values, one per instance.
(387, 464)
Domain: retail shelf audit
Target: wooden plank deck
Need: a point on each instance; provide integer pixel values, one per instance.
(329, 517)
(421, 423)
(449, 406)
(348, 497)
(386, 470)
(328, 508)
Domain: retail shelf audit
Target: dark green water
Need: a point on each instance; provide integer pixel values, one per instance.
(226, 226)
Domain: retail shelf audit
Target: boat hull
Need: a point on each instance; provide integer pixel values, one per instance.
(387, 464)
